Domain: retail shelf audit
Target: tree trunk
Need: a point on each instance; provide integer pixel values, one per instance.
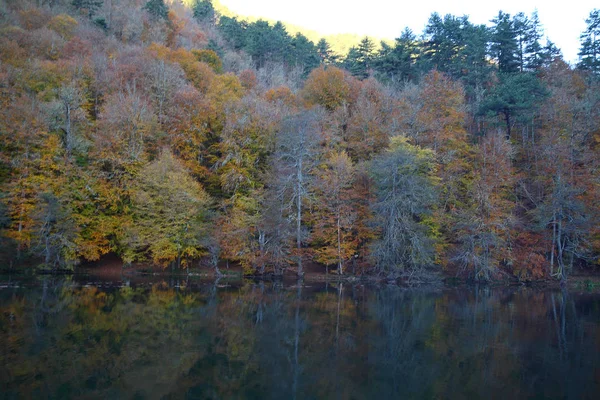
(339, 246)
(299, 216)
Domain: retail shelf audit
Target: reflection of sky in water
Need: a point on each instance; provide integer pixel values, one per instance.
(264, 340)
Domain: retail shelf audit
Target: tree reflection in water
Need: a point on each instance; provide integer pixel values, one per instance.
(267, 340)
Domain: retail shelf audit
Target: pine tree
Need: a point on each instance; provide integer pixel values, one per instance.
(534, 52)
(157, 9)
(360, 59)
(325, 53)
(204, 11)
(504, 46)
(589, 53)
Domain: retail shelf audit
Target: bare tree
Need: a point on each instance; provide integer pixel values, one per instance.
(295, 159)
(405, 194)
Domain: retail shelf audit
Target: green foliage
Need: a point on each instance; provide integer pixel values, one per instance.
(515, 94)
(504, 44)
(589, 52)
(359, 60)
(204, 11)
(157, 9)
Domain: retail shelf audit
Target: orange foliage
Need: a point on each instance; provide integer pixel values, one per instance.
(248, 79)
(330, 87)
(283, 95)
(529, 256)
(33, 18)
(442, 114)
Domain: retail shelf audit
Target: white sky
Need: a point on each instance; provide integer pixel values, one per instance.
(562, 22)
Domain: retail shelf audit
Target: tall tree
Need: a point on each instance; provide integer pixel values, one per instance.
(334, 214)
(534, 54)
(504, 46)
(403, 178)
(513, 95)
(170, 213)
(589, 52)
(296, 156)
(397, 63)
(204, 11)
(360, 59)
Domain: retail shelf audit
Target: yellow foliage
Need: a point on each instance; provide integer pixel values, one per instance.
(329, 87)
(64, 25)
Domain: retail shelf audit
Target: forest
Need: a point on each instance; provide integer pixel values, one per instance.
(161, 132)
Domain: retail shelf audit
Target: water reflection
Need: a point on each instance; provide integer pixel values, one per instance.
(61, 339)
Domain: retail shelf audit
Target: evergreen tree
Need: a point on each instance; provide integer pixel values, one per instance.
(157, 9)
(589, 52)
(443, 42)
(268, 43)
(514, 95)
(233, 31)
(360, 59)
(504, 46)
(398, 63)
(549, 53)
(92, 6)
(325, 53)
(521, 26)
(305, 53)
(204, 11)
(534, 51)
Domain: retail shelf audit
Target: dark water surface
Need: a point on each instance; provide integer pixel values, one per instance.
(65, 339)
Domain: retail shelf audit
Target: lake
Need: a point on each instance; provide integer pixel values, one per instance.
(72, 338)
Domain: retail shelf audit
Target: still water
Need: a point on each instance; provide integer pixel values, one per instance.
(257, 340)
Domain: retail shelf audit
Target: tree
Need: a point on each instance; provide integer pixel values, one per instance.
(296, 157)
(513, 95)
(563, 191)
(128, 124)
(398, 63)
(68, 112)
(589, 52)
(522, 29)
(325, 53)
(444, 40)
(305, 53)
(157, 9)
(359, 60)
(204, 11)
(534, 53)
(505, 47)
(56, 231)
(91, 6)
(334, 214)
(233, 31)
(483, 226)
(170, 213)
(328, 87)
(405, 196)
(367, 125)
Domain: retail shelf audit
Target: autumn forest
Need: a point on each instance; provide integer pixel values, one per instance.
(161, 132)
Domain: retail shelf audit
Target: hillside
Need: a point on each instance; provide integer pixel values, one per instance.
(158, 133)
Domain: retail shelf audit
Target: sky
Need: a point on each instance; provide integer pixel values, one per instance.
(562, 22)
